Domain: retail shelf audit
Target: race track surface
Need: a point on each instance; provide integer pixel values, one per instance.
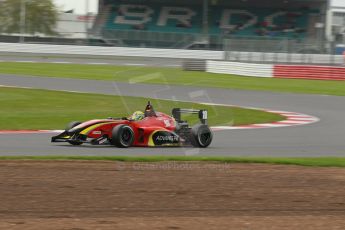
(325, 138)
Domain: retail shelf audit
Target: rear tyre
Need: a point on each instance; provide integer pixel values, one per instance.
(71, 126)
(122, 136)
(201, 136)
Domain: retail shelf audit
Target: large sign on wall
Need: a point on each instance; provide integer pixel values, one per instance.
(136, 14)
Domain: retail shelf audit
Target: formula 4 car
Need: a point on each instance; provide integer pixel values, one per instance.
(146, 129)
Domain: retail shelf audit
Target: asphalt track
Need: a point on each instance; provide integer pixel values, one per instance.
(325, 138)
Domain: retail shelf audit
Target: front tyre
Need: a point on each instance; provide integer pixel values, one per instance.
(201, 136)
(122, 136)
(71, 126)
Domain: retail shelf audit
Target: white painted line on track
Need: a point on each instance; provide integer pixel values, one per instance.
(291, 122)
(61, 62)
(305, 118)
(281, 112)
(134, 64)
(172, 65)
(29, 131)
(220, 128)
(11, 86)
(24, 61)
(271, 125)
(98, 63)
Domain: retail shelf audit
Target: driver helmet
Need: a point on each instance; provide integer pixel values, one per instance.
(137, 116)
(149, 111)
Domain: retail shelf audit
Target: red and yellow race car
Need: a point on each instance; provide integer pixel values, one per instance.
(142, 129)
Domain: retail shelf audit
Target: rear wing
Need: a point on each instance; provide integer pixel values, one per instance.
(203, 115)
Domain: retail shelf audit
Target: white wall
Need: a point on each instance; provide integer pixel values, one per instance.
(337, 3)
(238, 68)
(73, 26)
(79, 6)
(110, 51)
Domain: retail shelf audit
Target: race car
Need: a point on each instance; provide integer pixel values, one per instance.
(142, 129)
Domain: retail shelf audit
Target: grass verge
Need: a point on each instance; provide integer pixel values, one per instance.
(154, 75)
(306, 161)
(44, 109)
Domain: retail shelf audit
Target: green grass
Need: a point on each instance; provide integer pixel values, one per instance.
(173, 77)
(315, 161)
(43, 109)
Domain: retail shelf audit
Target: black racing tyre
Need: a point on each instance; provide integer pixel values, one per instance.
(70, 126)
(122, 136)
(201, 136)
(75, 142)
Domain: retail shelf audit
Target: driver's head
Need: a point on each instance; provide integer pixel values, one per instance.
(137, 116)
(149, 111)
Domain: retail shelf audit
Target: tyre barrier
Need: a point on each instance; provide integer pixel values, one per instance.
(277, 71)
(309, 72)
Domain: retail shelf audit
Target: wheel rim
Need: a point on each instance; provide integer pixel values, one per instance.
(126, 136)
(204, 138)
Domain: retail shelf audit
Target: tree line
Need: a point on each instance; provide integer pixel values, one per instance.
(40, 16)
